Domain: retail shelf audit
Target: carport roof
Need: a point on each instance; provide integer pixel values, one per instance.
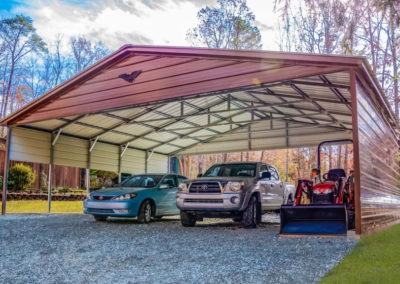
(196, 100)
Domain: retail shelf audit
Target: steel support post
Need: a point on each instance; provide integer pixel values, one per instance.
(50, 181)
(6, 166)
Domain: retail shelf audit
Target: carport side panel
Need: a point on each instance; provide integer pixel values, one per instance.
(379, 171)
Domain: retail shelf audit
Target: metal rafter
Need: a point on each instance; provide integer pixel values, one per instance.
(334, 89)
(311, 99)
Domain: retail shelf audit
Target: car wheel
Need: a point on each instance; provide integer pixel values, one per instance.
(144, 215)
(250, 214)
(100, 218)
(237, 219)
(188, 219)
(157, 217)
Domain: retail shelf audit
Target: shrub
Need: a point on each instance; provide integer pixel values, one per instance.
(21, 176)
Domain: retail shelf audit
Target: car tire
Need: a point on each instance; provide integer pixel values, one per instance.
(100, 218)
(144, 216)
(237, 219)
(250, 214)
(188, 219)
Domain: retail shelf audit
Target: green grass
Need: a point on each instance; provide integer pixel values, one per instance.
(40, 206)
(375, 259)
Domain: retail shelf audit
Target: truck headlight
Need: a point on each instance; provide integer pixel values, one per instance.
(327, 191)
(125, 196)
(183, 187)
(234, 186)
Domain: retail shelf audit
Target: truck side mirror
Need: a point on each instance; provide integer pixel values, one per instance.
(199, 175)
(266, 175)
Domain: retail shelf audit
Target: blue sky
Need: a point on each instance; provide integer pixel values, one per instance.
(118, 22)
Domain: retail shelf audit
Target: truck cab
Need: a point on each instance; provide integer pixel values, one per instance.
(242, 191)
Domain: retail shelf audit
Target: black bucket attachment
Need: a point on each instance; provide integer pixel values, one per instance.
(313, 219)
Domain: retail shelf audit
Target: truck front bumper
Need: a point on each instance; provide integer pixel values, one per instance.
(210, 202)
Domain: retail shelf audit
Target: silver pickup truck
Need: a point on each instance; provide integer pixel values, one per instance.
(242, 191)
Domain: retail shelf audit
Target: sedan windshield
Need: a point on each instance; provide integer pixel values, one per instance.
(231, 170)
(141, 181)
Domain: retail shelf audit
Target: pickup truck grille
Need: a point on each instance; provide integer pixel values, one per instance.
(204, 200)
(205, 187)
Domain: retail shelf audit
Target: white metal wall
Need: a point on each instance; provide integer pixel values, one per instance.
(30, 146)
(34, 146)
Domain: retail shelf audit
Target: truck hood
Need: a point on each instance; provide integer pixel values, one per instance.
(115, 191)
(218, 179)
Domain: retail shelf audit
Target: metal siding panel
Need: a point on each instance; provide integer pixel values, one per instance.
(71, 152)
(30, 146)
(105, 157)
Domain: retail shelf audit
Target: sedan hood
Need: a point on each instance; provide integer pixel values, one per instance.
(115, 191)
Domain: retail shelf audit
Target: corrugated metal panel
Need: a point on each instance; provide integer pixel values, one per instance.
(105, 157)
(133, 161)
(71, 152)
(30, 146)
(157, 164)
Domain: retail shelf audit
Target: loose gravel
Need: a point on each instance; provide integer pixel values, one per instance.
(77, 249)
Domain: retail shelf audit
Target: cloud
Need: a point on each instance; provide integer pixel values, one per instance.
(119, 22)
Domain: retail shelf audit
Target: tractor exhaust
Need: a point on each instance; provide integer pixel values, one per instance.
(314, 219)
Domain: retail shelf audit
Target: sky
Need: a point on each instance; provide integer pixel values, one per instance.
(119, 22)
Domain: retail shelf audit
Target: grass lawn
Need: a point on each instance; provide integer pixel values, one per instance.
(375, 259)
(40, 206)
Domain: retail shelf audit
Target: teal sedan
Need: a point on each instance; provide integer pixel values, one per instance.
(143, 196)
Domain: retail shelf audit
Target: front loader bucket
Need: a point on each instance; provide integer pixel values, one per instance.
(313, 219)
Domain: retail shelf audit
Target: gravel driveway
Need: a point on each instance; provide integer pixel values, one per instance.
(76, 249)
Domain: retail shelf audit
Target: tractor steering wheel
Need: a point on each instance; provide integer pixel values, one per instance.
(335, 176)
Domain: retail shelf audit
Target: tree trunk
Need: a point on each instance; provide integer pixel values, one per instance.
(241, 156)
(200, 161)
(330, 158)
(346, 154)
(247, 156)
(339, 157)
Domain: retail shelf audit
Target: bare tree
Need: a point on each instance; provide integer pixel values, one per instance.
(226, 26)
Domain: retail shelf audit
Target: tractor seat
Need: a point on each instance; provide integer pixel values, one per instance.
(339, 172)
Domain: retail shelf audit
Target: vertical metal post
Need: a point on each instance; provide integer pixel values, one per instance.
(88, 168)
(145, 165)
(356, 151)
(169, 164)
(287, 151)
(271, 122)
(5, 179)
(50, 185)
(120, 164)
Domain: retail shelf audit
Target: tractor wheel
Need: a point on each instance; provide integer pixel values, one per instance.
(351, 220)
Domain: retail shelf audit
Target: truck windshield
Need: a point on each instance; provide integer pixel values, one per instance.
(141, 181)
(231, 170)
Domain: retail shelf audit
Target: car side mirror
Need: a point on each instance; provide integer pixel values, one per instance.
(266, 175)
(164, 186)
(199, 175)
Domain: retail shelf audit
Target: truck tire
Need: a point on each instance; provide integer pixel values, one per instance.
(144, 216)
(289, 200)
(250, 214)
(100, 218)
(188, 219)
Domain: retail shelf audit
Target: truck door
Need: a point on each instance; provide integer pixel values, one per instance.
(267, 198)
(276, 186)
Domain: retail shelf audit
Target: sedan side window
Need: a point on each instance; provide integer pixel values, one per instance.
(170, 181)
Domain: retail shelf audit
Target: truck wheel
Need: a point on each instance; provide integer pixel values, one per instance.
(100, 218)
(350, 215)
(188, 219)
(290, 200)
(144, 216)
(250, 214)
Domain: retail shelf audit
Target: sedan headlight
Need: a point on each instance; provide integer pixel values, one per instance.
(234, 186)
(125, 196)
(183, 187)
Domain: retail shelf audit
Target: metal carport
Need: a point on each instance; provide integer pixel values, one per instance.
(187, 101)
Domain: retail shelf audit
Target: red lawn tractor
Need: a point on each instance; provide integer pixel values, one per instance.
(323, 206)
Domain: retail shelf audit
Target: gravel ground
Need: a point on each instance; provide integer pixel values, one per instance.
(76, 249)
